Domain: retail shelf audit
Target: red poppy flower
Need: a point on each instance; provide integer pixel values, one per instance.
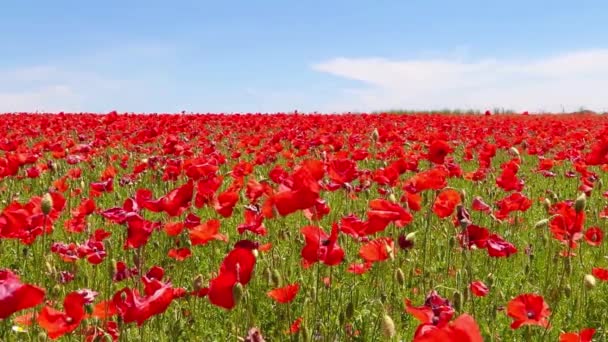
(225, 202)
(180, 254)
(446, 202)
(284, 294)
(474, 236)
(383, 212)
(376, 250)
(600, 273)
(360, 268)
(16, 296)
(479, 205)
(479, 289)
(498, 247)
(433, 179)
(585, 335)
(294, 328)
(438, 150)
(237, 266)
(254, 222)
(132, 307)
(594, 236)
(436, 310)
(57, 323)
(462, 329)
(321, 247)
(528, 309)
(208, 231)
(567, 224)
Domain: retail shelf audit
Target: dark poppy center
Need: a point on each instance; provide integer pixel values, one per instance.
(530, 314)
(325, 242)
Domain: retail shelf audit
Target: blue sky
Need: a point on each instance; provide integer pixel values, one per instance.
(250, 56)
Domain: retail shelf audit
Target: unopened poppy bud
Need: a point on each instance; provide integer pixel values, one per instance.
(46, 204)
(457, 300)
(268, 275)
(600, 184)
(276, 278)
(514, 151)
(542, 223)
(547, 205)
(589, 281)
(490, 280)
(197, 282)
(388, 327)
(237, 293)
(411, 236)
(567, 290)
(580, 203)
(399, 276)
(375, 134)
(42, 336)
(568, 266)
(465, 295)
(306, 334)
(350, 310)
(392, 198)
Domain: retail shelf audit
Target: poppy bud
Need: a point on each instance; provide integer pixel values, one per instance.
(268, 275)
(514, 151)
(46, 204)
(457, 300)
(388, 327)
(276, 278)
(490, 280)
(42, 336)
(567, 290)
(580, 203)
(197, 282)
(306, 334)
(392, 198)
(237, 293)
(547, 205)
(350, 310)
(542, 223)
(589, 281)
(399, 276)
(375, 135)
(465, 295)
(600, 184)
(568, 266)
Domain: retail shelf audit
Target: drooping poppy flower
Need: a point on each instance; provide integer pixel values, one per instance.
(284, 294)
(479, 289)
(498, 247)
(377, 250)
(462, 329)
(16, 296)
(321, 247)
(57, 323)
(528, 309)
(479, 205)
(237, 267)
(474, 236)
(585, 335)
(446, 202)
(594, 236)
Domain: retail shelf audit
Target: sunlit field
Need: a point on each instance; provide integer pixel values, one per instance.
(383, 227)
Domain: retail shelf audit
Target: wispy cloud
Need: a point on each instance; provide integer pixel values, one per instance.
(565, 81)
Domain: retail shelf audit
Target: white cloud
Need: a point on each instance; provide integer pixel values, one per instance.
(567, 81)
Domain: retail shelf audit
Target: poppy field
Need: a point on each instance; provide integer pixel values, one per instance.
(293, 227)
